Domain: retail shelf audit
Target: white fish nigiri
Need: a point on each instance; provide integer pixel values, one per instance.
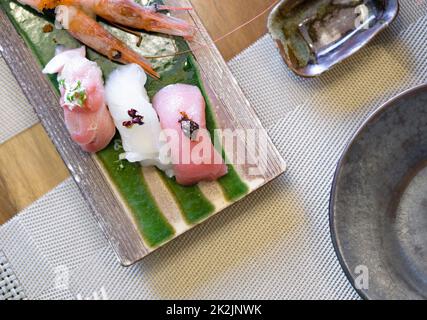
(135, 118)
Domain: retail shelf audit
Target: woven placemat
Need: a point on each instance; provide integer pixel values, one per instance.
(16, 114)
(275, 244)
(10, 288)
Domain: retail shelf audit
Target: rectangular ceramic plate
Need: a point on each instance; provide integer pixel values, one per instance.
(231, 111)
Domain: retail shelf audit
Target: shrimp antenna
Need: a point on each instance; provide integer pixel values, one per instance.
(130, 31)
(159, 7)
(201, 46)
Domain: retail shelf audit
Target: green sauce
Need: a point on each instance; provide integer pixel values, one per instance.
(233, 187)
(127, 177)
(131, 184)
(193, 204)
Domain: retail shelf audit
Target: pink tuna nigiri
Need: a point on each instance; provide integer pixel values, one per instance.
(181, 108)
(82, 98)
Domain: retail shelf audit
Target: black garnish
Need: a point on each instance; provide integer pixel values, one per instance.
(159, 8)
(189, 127)
(117, 55)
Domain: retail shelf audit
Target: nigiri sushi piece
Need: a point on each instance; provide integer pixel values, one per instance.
(181, 108)
(82, 98)
(135, 118)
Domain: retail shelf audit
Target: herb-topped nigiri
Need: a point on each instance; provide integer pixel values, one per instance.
(82, 98)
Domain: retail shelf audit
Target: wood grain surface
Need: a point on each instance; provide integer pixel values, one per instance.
(29, 163)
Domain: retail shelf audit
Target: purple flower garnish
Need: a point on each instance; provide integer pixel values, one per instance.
(136, 119)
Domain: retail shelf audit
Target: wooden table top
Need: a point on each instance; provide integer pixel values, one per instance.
(29, 164)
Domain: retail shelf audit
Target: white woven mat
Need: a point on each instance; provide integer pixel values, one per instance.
(10, 288)
(16, 114)
(273, 245)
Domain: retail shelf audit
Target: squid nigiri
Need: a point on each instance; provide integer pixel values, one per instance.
(181, 108)
(82, 98)
(135, 117)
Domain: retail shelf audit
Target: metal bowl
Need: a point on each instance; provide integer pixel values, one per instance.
(378, 206)
(314, 35)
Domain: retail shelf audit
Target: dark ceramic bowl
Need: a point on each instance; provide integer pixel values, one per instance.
(378, 206)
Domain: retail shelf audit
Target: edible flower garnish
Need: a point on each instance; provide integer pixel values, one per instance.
(61, 83)
(136, 119)
(189, 127)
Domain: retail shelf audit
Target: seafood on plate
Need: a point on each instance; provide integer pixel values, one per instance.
(181, 109)
(85, 29)
(166, 139)
(135, 118)
(131, 14)
(171, 133)
(82, 98)
(78, 17)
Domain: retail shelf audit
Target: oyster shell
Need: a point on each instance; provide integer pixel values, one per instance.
(314, 35)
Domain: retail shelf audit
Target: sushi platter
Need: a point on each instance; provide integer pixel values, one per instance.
(124, 107)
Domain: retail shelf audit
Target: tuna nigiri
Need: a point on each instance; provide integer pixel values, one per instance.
(181, 108)
(135, 117)
(82, 98)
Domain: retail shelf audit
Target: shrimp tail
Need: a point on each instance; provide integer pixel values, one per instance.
(133, 15)
(85, 29)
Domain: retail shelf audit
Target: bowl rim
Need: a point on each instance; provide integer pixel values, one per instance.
(333, 194)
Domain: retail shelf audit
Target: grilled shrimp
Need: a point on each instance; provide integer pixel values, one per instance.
(131, 14)
(85, 29)
(78, 17)
(125, 12)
